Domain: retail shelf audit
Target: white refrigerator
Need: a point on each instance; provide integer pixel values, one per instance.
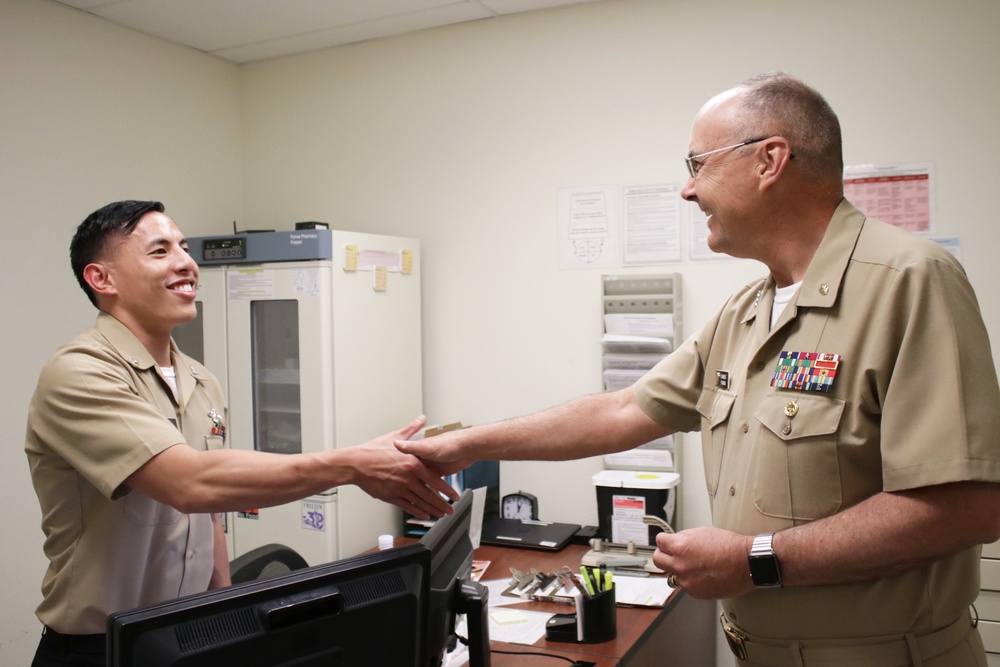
(316, 337)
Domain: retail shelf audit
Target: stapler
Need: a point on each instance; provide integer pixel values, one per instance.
(626, 557)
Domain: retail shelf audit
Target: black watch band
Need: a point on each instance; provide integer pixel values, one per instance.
(764, 569)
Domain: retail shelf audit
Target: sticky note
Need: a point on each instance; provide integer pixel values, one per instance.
(350, 258)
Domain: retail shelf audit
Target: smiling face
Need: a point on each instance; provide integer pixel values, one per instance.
(725, 186)
(147, 280)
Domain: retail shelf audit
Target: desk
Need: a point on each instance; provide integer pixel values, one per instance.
(680, 634)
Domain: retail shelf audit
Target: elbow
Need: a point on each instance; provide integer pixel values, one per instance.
(986, 508)
(991, 532)
(190, 499)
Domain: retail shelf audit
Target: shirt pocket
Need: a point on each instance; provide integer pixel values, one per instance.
(796, 462)
(214, 442)
(142, 510)
(715, 406)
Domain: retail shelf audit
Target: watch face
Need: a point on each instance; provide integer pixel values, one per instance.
(764, 571)
(519, 506)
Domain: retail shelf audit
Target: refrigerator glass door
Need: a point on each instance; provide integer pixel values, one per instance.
(277, 401)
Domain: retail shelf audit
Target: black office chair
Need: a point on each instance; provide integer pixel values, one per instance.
(264, 562)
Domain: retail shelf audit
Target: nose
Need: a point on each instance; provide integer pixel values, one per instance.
(688, 191)
(185, 262)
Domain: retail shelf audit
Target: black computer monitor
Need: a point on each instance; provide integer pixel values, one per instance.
(452, 590)
(367, 610)
(389, 608)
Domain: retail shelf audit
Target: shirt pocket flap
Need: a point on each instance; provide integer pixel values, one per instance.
(811, 415)
(715, 406)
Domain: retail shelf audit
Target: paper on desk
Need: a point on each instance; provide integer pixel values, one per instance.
(642, 591)
(506, 625)
(518, 626)
(497, 598)
(476, 528)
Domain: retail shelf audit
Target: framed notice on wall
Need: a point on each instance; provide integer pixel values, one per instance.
(899, 194)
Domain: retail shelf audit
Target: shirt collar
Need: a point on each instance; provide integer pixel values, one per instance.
(825, 273)
(135, 353)
(124, 341)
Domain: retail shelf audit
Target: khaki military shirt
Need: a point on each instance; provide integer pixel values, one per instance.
(913, 402)
(100, 411)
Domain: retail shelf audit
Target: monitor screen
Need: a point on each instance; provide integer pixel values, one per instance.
(389, 608)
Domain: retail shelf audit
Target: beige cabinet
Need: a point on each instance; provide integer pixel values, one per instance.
(988, 603)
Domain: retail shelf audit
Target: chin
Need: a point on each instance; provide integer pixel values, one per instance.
(716, 246)
(189, 315)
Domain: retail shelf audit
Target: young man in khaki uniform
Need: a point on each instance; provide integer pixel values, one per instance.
(847, 404)
(125, 443)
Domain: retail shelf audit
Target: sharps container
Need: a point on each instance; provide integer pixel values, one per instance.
(625, 496)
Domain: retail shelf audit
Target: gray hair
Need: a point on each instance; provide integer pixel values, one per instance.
(778, 104)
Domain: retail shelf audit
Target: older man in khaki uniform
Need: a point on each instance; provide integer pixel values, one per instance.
(847, 403)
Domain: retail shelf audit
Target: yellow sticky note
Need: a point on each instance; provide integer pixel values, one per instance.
(407, 261)
(350, 258)
(381, 279)
(506, 617)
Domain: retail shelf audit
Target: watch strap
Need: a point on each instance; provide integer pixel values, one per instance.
(762, 545)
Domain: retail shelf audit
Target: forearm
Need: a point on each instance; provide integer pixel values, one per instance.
(886, 535)
(587, 426)
(228, 479)
(890, 533)
(220, 573)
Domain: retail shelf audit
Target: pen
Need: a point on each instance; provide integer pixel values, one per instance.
(595, 582)
(601, 580)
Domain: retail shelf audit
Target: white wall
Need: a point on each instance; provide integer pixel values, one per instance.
(463, 137)
(89, 113)
(460, 137)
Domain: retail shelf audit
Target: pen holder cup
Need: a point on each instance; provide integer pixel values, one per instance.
(594, 622)
(598, 617)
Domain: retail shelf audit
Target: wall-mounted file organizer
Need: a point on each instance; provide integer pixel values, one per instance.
(642, 324)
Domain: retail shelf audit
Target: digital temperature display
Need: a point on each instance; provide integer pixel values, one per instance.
(229, 248)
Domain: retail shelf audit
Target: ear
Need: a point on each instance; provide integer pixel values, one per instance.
(775, 156)
(99, 279)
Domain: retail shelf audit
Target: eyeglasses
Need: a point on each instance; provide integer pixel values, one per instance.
(694, 165)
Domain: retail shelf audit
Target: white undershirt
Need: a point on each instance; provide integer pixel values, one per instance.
(170, 376)
(782, 295)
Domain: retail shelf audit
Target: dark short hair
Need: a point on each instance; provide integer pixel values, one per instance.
(92, 237)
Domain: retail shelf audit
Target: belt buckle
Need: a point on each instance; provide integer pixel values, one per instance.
(737, 640)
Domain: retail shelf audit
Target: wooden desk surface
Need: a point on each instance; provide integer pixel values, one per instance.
(643, 633)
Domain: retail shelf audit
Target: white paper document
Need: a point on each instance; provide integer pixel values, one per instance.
(642, 591)
(640, 324)
(652, 223)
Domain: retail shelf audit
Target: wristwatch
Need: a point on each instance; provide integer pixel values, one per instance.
(764, 570)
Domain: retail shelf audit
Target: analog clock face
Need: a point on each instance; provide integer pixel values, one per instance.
(520, 506)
